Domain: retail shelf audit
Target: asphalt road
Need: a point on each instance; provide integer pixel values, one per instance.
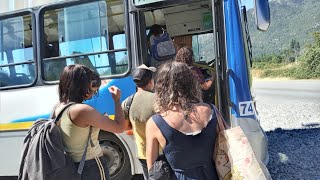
(287, 91)
(290, 114)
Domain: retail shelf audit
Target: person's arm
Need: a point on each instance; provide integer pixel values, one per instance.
(208, 83)
(84, 115)
(119, 116)
(152, 144)
(204, 84)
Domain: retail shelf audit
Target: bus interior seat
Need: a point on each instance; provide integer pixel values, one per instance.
(20, 78)
(4, 80)
(53, 69)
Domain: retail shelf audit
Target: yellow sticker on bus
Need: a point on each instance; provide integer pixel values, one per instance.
(23, 125)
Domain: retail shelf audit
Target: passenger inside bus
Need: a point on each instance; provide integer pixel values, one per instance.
(190, 26)
(4, 79)
(15, 53)
(53, 68)
(155, 31)
(50, 49)
(185, 55)
(160, 45)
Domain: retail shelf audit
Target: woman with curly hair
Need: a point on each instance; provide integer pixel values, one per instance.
(185, 55)
(184, 126)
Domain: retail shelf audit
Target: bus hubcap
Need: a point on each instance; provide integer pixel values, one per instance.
(114, 155)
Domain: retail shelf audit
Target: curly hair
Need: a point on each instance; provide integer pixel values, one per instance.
(75, 82)
(185, 55)
(176, 85)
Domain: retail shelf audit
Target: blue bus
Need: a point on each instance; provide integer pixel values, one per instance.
(39, 38)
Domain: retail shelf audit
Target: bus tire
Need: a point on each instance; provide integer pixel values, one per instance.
(116, 155)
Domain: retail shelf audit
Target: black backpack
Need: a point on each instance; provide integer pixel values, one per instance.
(127, 105)
(43, 155)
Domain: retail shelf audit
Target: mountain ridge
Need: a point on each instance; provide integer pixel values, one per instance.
(290, 20)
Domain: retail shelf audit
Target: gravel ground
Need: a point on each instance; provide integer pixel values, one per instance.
(293, 132)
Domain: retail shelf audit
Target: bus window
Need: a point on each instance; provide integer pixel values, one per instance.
(123, 56)
(4, 70)
(91, 34)
(16, 52)
(202, 46)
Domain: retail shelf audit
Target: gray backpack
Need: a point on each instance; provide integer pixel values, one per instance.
(43, 155)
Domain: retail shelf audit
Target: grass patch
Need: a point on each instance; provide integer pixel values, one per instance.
(294, 70)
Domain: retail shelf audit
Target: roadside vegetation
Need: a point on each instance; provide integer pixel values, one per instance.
(293, 63)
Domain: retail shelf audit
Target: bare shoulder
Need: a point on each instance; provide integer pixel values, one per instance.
(152, 128)
(151, 125)
(73, 109)
(204, 108)
(204, 112)
(81, 108)
(82, 111)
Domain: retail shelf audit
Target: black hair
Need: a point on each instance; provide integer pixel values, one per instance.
(156, 30)
(75, 83)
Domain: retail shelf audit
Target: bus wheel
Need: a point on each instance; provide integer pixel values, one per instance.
(117, 156)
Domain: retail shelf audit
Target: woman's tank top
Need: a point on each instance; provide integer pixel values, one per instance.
(75, 139)
(190, 156)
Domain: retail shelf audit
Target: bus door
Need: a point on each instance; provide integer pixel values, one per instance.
(188, 24)
(216, 33)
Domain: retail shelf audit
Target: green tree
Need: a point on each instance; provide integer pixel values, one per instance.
(311, 58)
(295, 48)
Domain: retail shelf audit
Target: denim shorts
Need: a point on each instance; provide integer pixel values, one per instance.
(95, 169)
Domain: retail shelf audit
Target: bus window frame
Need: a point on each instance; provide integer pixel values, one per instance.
(40, 36)
(202, 33)
(155, 5)
(18, 13)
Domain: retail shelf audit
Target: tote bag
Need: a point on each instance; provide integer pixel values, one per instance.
(233, 154)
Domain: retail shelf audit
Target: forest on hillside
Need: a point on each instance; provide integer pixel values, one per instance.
(291, 46)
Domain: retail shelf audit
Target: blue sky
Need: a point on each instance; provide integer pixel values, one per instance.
(248, 3)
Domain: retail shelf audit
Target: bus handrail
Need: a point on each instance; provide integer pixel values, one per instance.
(19, 63)
(86, 54)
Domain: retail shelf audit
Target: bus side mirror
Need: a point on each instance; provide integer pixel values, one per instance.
(262, 12)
